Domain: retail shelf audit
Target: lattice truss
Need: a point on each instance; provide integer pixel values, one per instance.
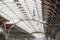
(53, 14)
(26, 14)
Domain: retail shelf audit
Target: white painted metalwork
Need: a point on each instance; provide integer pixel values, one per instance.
(27, 14)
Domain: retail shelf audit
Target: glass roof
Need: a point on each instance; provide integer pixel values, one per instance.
(24, 13)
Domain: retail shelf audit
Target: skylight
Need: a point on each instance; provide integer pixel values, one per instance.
(27, 19)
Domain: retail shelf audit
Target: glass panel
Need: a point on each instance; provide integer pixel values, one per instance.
(11, 12)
